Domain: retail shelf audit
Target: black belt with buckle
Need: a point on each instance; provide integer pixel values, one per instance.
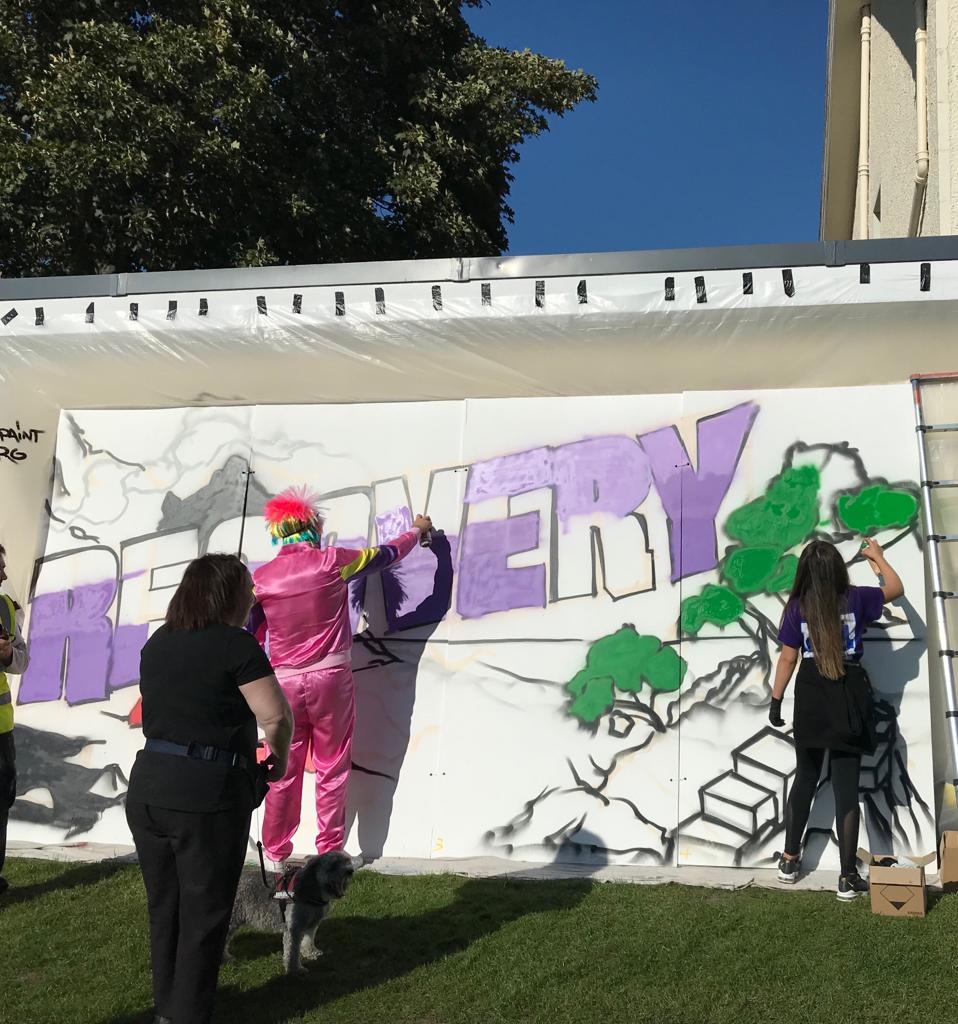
(197, 751)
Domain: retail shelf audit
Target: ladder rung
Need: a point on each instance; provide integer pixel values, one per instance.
(939, 483)
(937, 428)
(939, 538)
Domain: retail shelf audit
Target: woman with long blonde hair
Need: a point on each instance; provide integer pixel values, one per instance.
(823, 625)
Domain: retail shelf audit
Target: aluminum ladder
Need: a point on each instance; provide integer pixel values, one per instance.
(936, 465)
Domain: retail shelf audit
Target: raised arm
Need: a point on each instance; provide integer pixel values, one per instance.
(370, 560)
(890, 582)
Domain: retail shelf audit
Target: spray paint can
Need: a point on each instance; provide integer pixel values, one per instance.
(425, 538)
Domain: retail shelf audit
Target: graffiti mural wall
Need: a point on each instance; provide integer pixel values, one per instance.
(586, 650)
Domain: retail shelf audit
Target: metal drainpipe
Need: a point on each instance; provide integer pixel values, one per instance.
(864, 113)
(922, 157)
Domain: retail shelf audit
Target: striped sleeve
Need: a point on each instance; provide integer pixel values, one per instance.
(356, 564)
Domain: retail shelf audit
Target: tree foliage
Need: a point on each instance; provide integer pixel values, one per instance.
(624, 661)
(785, 516)
(162, 134)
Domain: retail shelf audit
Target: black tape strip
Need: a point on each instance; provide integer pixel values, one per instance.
(925, 277)
(700, 293)
(486, 290)
(865, 274)
(204, 307)
(39, 316)
(748, 287)
(582, 292)
(261, 305)
(788, 280)
(171, 310)
(89, 313)
(540, 294)
(340, 303)
(134, 311)
(436, 297)
(297, 303)
(11, 314)
(380, 302)
(670, 289)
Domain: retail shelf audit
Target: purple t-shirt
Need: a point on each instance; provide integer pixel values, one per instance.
(864, 606)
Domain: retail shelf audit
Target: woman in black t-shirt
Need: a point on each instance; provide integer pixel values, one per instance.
(205, 684)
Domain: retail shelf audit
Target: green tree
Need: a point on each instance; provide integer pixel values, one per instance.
(156, 135)
(624, 661)
(786, 515)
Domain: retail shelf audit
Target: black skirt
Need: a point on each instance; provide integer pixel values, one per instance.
(834, 714)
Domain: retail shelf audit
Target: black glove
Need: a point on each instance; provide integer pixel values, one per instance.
(775, 713)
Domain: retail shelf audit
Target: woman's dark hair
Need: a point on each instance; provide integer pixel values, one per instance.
(214, 588)
(821, 589)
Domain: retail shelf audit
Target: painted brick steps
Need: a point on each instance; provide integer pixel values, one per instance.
(743, 806)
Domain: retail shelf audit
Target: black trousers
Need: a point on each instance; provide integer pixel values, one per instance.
(8, 788)
(844, 769)
(191, 864)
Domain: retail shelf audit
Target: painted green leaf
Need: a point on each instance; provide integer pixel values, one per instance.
(626, 661)
(784, 575)
(692, 615)
(593, 696)
(716, 604)
(622, 656)
(665, 670)
(877, 508)
(782, 517)
(748, 570)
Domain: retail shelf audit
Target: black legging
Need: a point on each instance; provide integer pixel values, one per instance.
(844, 770)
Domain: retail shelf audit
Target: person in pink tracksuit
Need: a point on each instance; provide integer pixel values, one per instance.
(303, 606)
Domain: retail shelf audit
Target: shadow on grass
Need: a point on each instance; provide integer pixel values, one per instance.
(363, 952)
(81, 875)
(366, 952)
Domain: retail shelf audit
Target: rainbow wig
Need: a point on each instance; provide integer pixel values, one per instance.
(293, 517)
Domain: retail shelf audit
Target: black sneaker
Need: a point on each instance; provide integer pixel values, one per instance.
(850, 887)
(788, 870)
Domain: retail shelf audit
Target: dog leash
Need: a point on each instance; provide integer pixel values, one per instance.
(262, 866)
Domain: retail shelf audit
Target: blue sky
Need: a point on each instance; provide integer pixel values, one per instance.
(707, 129)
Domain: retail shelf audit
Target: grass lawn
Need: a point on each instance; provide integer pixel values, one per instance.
(440, 950)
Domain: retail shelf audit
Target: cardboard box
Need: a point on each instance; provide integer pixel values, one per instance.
(898, 891)
(948, 873)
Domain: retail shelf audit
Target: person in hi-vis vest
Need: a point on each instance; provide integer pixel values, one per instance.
(13, 659)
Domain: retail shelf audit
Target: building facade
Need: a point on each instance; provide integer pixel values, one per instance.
(891, 120)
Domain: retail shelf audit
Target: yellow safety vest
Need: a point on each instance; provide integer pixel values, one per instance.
(8, 623)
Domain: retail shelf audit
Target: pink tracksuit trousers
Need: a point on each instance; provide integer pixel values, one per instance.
(324, 711)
